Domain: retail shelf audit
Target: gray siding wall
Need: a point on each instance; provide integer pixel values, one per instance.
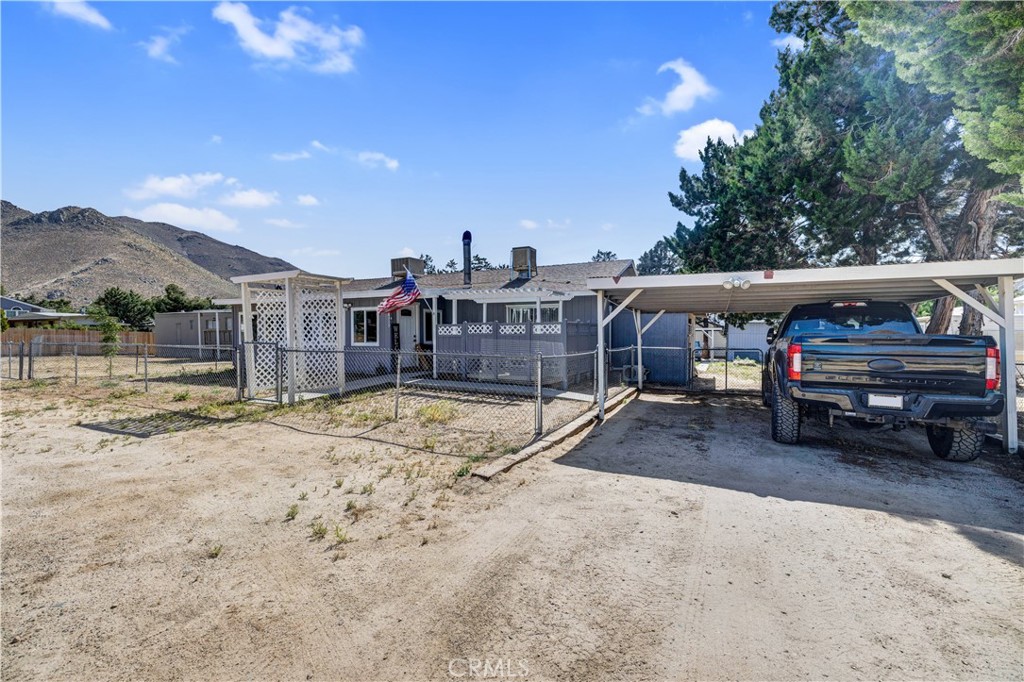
(666, 366)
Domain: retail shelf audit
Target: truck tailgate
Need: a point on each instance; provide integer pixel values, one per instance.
(902, 363)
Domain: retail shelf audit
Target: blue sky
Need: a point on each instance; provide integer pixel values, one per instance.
(339, 135)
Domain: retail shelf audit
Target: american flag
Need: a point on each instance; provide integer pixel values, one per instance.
(402, 296)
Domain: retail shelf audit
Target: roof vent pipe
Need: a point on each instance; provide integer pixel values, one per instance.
(467, 240)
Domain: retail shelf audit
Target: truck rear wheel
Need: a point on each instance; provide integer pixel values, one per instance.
(785, 419)
(958, 445)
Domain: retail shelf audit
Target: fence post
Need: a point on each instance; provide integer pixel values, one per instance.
(539, 426)
(136, 359)
(145, 368)
(398, 379)
(236, 360)
(21, 361)
(31, 363)
(278, 373)
(75, 351)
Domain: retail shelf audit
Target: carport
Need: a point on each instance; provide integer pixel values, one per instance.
(776, 291)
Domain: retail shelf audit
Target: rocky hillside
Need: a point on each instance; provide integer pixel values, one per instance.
(225, 260)
(76, 253)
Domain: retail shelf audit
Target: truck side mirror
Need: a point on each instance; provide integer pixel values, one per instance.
(770, 336)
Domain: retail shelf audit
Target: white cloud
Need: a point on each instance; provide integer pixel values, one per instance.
(283, 223)
(692, 86)
(376, 160)
(607, 227)
(250, 198)
(692, 140)
(81, 11)
(310, 251)
(291, 156)
(406, 253)
(528, 224)
(748, 17)
(317, 144)
(307, 200)
(159, 46)
(789, 42)
(205, 219)
(216, 139)
(293, 39)
(181, 186)
(559, 225)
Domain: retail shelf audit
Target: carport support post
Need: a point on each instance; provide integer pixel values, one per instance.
(1008, 343)
(639, 351)
(145, 368)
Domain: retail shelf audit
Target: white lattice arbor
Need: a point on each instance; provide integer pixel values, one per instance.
(293, 328)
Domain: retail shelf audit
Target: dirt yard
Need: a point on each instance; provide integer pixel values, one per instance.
(674, 542)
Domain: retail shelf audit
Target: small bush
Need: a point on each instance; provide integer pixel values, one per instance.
(180, 397)
(303, 496)
(368, 489)
(340, 536)
(318, 530)
(463, 470)
(442, 412)
(292, 512)
(214, 552)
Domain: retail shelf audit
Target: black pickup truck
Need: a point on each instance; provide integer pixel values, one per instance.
(867, 362)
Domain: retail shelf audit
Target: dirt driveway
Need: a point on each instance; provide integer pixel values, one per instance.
(674, 542)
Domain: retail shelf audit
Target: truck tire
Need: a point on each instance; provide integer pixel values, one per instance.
(957, 445)
(785, 419)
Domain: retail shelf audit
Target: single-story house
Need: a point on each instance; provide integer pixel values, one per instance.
(468, 321)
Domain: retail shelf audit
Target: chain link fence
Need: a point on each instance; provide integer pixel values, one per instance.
(184, 372)
(727, 369)
(451, 403)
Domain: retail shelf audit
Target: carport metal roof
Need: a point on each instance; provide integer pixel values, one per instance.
(776, 291)
(779, 290)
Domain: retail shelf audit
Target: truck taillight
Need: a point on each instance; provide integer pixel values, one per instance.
(991, 369)
(794, 355)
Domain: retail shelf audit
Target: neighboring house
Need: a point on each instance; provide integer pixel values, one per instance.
(22, 314)
(215, 328)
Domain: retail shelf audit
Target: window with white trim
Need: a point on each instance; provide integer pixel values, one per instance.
(527, 312)
(364, 327)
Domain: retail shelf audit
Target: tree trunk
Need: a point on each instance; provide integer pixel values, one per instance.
(973, 239)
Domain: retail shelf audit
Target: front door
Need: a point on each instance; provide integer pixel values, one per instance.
(407, 334)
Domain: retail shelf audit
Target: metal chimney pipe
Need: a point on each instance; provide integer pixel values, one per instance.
(467, 257)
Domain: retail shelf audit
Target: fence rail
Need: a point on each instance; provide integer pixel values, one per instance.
(17, 335)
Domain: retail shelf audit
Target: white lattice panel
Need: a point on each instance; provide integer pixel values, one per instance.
(316, 325)
(449, 330)
(506, 329)
(549, 328)
(271, 309)
(484, 328)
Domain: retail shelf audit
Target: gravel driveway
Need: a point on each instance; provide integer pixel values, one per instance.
(673, 542)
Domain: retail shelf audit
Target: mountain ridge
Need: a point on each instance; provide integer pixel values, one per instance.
(77, 253)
